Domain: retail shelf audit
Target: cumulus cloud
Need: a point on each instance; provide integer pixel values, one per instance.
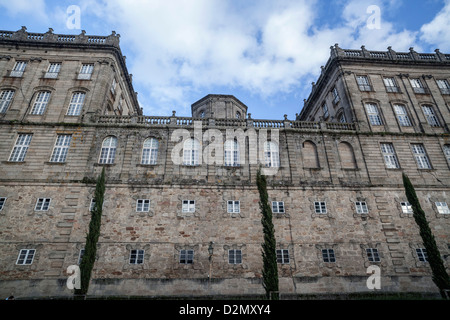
(437, 31)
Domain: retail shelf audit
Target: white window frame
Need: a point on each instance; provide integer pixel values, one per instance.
(278, 207)
(430, 115)
(2, 202)
(40, 102)
(191, 152)
(328, 255)
(42, 204)
(25, 257)
(390, 84)
(6, 97)
(336, 97)
(142, 205)
(389, 155)
(231, 153)
(76, 103)
(402, 115)
(363, 83)
(150, 151)
(326, 114)
(374, 114)
(373, 255)
(271, 154)
(235, 256)
(20, 148)
(19, 69)
(233, 206)
(417, 85)
(61, 148)
(108, 151)
(53, 70)
(421, 156)
(406, 207)
(443, 85)
(361, 207)
(86, 71)
(442, 207)
(320, 207)
(283, 256)
(188, 206)
(136, 256)
(113, 85)
(422, 254)
(186, 256)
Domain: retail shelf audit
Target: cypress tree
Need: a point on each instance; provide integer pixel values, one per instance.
(270, 268)
(90, 248)
(439, 274)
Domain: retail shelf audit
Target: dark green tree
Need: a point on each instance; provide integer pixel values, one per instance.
(90, 248)
(439, 274)
(270, 268)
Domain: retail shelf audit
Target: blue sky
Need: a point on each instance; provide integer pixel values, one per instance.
(264, 52)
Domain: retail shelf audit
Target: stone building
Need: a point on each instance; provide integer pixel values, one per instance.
(181, 214)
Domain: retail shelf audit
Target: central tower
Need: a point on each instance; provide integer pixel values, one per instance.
(219, 106)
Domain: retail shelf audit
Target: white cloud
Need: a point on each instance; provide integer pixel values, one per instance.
(20, 8)
(437, 31)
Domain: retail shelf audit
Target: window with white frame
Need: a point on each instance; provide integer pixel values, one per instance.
(361, 207)
(283, 256)
(61, 148)
(188, 206)
(271, 154)
(86, 72)
(233, 206)
(191, 152)
(186, 256)
(150, 151)
(53, 70)
(406, 207)
(373, 114)
(40, 103)
(142, 205)
(113, 85)
(19, 68)
(76, 104)
(336, 97)
(328, 255)
(234, 256)
(278, 207)
(402, 115)
(429, 113)
(390, 84)
(6, 97)
(20, 148)
(2, 202)
(422, 254)
(444, 86)
(42, 204)
(108, 152)
(363, 83)
(447, 151)
(417, 86)
(320, 207)
(325, 111)
(390, 158)
(26, 256)
(136, 256)
(442, 207)
(231, 153)
(421, 156)
(372, 255)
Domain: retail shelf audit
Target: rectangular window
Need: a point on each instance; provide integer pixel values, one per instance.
(417, 86)
(234, 206)
(442, 207)
(234, 256)
(402, 115)
(429, 113)
(390, 84)
(86, 72)
(328, 255)
(41, 102)
(363, 83)
(373, 114)
(421, 156)
(422, 254)
(113, 86)
(142, 205)
(361, 207)
(6, 97)
(18, 69)
(283, 256)
(372, 255)
(443, 86)
(53, 71)
(61, 148)
(390, 158)
(136, 256)
(21, 147)
(42, 204)
(336, 97)
(76, 104)
(2, 202)
(325, 111)
(25, 257)
(188, 206)
(406, 207)
(320, 207)
(278, 207)
(186, 256)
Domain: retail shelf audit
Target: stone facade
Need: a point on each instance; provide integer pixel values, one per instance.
(331, 189)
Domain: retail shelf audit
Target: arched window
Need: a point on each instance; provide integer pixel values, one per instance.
(238, 115)
(271, 154)
(6, 97)
(310, 156)
(108, 152)
(231, 153)
(373, 114)
(348, 160)
(150, 151)
(76, 104)
(191, 152)
(41, 102)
